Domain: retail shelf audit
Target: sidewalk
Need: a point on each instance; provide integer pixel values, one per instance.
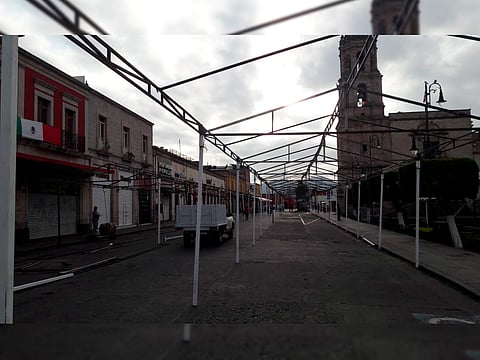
(457, 266)
(66, 240)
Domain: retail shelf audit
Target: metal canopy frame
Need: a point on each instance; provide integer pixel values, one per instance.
(298, 167)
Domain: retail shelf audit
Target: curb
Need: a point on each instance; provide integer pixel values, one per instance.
(462, 287)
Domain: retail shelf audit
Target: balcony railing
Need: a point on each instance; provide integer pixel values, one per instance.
(72, 141)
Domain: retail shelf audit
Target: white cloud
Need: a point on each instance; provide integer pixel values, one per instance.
(139, 33)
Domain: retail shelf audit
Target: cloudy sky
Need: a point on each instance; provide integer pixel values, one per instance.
(176, 40)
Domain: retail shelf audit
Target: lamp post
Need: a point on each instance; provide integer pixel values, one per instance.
(373, 141)
(428, 90)
(413, 148)
(414, 151)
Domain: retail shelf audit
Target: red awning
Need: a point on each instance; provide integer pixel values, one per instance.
(42, 159)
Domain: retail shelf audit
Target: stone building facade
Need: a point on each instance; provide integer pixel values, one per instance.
(67, 162)
(374, 140)
(386, 13)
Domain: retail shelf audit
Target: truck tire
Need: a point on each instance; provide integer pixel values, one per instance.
(218, 236)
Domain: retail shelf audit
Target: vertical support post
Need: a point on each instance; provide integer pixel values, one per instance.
(199, 217)
(237, 237)
(8, 145)
(261, 208)
(346, 207)
(417, 215)
(358, 206)
(329, 195)
(254, 240)
(380, 220)
(159, 208)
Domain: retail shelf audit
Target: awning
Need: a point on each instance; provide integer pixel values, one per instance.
(41, 159)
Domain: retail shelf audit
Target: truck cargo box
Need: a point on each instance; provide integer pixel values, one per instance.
(212, 216)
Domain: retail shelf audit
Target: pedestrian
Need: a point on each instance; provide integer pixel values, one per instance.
(95, 218)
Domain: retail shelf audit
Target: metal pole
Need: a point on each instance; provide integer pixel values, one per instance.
(8, 145)
(159, 208)
(417, 216)
(358, 206)
(380, 224)
(329, 195)
(261, 208)
(427, 102)
(199, 219)
(254, 240)
(237, 238)
(346, 207)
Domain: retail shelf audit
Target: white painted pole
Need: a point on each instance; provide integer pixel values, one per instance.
(237, 237)
(159, 205)
(8, 145)
(42, 282)
(196, 260)
(346, 207)
(358, 207)
(380, 220)
(254, 240)
(261, 208)
(417, 215)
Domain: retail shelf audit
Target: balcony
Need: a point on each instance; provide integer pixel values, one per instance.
(72, 141)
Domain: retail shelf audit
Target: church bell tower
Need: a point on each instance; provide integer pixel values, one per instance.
(387, 13)
(360, 153)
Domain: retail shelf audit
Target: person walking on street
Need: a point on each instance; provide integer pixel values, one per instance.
(95, 218)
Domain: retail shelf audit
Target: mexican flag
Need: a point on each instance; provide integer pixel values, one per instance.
(36, 130)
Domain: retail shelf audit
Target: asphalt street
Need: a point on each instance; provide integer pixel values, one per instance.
(306, 290)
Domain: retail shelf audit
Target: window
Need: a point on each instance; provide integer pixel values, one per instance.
(126, 140)
(102, 133)
(44, 104)
(144, 147)
(44, 110)
(70, 128)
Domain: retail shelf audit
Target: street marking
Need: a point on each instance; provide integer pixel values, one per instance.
(449, 320)
(473, 354)
(300, 216)
(172, 237)
(367, 241)
(187, 333)
(304, 223)
(41, 282)
(433, 319)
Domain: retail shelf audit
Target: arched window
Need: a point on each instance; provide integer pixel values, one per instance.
(362, 95)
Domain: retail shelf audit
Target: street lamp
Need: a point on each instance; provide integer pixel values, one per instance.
(373, 141)
(429, 89)
(413, 148)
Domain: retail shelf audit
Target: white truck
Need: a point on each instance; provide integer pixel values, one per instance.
(215, 223)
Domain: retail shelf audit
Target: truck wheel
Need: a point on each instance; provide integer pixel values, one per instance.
(219, 236)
